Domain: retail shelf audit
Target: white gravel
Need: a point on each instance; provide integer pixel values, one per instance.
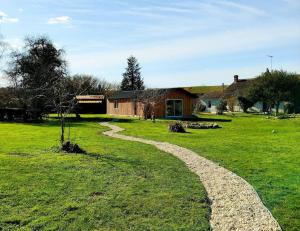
(235, 204)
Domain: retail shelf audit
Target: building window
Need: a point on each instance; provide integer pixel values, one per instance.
(174, 108)
(116, 104)
(209, 104)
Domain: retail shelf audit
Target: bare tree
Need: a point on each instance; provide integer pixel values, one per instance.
(150, 101)
(91, 84)
(3, 46)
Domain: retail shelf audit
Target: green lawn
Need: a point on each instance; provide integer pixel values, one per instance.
(247, 146)
(118, 185)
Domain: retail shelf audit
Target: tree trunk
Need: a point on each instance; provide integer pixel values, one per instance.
(62, 126)
(277, 108)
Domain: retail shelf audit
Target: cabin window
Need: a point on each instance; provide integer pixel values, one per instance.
(174, 108)
(116, 104)
(209, 104)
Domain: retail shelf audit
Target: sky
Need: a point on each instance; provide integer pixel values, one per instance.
(177, 43)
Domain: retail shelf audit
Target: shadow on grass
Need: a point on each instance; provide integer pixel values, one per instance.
(95, 119)
(199, 119)
(205, 119)
(111, 158)
(75, 122)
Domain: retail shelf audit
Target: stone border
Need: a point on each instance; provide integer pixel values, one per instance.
(235, 205)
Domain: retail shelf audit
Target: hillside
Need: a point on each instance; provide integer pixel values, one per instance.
(203, 89)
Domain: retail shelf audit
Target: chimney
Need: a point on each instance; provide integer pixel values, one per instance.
(223, 87)
(236, 78)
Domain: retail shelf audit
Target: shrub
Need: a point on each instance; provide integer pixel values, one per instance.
(221, 107)
(199, 107)
(176, 127)
(289, 108)
(71, 148)
(245, 103)
(231, 103)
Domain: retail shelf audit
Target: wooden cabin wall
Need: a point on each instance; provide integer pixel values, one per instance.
(127, 106)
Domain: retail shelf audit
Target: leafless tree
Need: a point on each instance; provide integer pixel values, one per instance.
(150, 101)
(3, 46)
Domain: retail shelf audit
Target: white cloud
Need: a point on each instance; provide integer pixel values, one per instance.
(5, 19)
(59, 20)
(228, 42)
(15, 43)
(242, 7)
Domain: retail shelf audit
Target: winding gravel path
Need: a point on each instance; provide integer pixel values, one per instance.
(235, 204)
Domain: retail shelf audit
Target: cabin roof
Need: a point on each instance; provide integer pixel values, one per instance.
(134, 94)
(90, 99)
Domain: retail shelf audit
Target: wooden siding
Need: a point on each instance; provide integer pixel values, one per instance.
(127, 106)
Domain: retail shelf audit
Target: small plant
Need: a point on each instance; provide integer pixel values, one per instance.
(231, 103)
(289, 108)
(176, 127)
(199, 107)
(222, 107)
(71, 148)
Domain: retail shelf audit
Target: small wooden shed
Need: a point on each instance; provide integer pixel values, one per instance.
(175, 103)
(90, 104)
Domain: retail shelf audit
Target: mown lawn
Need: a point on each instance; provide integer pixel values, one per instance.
(118, 185)
(246, 145)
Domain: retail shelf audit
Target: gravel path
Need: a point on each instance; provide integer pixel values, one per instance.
(235, 204)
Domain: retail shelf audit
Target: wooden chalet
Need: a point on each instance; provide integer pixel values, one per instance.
(175, 103)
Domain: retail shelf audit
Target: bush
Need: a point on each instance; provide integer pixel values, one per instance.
(221, 107)
(245, 103)
(71, 148)
(176, 127)
(231, 103)
(200, 107)
(289, 108)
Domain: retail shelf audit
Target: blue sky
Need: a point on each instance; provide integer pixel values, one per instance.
(178, 43)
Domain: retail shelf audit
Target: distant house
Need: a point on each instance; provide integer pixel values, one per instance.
(175, 103)
(231, 93)
(90, 104)
(211, 100)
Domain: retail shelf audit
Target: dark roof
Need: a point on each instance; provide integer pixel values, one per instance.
(212, 95)
(124, 95)
(134, 94)
(238, 87)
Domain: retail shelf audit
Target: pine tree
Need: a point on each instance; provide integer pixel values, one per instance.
(132, 79)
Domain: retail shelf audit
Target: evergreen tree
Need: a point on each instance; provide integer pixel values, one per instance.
(132, 79)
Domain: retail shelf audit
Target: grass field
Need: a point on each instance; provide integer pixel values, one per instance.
(125, 185)
(118, 185)
(245, 144)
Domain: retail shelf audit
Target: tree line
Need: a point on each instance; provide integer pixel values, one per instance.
(38, 72)
(273, 88)
(39, 81)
